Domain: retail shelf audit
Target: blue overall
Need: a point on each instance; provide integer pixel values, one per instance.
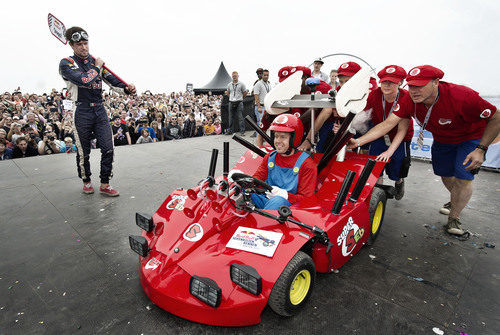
(285, 178)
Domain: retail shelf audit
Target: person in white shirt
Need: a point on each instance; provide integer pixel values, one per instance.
(316, 73)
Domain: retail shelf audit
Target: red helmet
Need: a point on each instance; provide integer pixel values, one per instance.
(290, 124)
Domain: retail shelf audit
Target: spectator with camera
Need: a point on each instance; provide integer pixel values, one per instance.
(143, 123)
(50, 144)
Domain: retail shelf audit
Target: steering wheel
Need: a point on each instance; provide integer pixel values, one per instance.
(248, 182)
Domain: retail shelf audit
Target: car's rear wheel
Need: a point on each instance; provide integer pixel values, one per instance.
(294, 286)
(377, 211)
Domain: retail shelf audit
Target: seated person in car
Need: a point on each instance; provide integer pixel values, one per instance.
(290, 172)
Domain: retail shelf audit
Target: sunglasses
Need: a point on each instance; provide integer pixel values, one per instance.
(79, 35)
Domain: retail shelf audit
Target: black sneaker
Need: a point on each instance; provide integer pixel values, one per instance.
(446, 208)
(400, 190)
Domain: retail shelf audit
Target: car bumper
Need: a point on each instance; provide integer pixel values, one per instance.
(169, 289)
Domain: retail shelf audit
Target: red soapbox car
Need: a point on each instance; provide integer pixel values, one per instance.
(208, 255)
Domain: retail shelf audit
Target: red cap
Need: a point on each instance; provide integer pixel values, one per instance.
(421, 75)
(348, 69)
(307, 71)
(287, 71)
(392, 73)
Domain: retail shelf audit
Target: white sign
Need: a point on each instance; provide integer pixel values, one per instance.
(67, 105)
(253, 240)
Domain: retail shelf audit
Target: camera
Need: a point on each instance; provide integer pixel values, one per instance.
(51, 138)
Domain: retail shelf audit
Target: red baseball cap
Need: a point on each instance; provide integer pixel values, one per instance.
(287, 71)
(348, 69)
(284, 73)
(392, 73)
(421, 75)
(307, 71)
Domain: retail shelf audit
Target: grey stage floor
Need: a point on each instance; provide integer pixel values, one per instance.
(66, 267)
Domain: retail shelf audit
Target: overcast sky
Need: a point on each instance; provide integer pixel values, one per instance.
(162, 45)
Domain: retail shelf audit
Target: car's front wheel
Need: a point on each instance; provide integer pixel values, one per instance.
(294, 286)
(376, 211)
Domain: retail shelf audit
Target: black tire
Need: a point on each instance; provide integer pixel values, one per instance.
(279, 300)
(378, 198)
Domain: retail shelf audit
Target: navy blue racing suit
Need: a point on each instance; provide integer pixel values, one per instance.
(84, 82)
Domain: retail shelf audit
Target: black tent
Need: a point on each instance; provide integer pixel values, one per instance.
(218, 84)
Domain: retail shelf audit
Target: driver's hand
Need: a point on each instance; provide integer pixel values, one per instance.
(277, 192)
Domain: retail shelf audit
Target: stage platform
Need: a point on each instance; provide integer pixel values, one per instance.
(66, 266)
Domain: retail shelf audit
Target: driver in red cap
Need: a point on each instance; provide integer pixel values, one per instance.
(290, 172)
(463, 125)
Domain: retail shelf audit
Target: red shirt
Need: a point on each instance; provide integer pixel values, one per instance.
(374, 102)
(458, 115)
(267, 119)
(307, 174)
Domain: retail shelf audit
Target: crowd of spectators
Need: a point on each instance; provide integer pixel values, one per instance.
(32, 124)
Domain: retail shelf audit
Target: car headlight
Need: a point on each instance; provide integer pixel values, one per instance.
(206, 290)
(144, 222)
(246, 277)
(139, 244)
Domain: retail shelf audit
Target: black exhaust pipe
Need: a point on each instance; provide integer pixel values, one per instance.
(344, 189)
(225, 171)
(360, 184)
(249, 145)
(259, 131)
(213, 163)
(333, 138)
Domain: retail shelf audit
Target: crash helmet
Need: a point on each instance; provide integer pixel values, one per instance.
(290, 124)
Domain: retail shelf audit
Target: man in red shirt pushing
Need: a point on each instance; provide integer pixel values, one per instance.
(463, 125)
(393, 147)
(290, 172)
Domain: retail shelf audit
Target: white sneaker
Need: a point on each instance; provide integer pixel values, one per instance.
(446, 208)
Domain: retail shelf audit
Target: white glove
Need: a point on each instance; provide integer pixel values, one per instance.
(277, 192)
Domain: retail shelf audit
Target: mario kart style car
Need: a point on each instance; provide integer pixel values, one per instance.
(210, 256)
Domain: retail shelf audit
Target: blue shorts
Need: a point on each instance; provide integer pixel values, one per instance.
(447, 159)
(393, 168)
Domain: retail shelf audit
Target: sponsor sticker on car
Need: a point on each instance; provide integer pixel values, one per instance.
(253, 240)
(177, 202)
(351, 234)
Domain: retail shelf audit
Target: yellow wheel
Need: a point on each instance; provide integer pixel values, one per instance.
(376, 211)
(377, 218)
(294, 286)
(300, 287)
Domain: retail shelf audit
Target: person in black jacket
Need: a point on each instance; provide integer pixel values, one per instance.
(23, 148)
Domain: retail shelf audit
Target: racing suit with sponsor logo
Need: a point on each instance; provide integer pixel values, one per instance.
(84, 82)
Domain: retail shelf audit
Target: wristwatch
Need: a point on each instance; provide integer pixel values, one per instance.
(482, 147)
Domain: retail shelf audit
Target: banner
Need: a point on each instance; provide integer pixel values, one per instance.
(492, 156)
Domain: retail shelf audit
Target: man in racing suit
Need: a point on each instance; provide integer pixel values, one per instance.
(83, 75)
(290, 172)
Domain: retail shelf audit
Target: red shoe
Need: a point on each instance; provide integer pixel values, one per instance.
(109, 191)
(87, 188)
